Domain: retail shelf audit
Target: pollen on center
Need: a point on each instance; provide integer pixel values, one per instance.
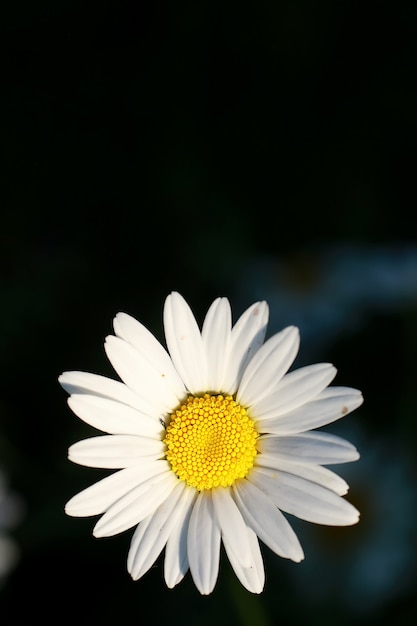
(210, 441)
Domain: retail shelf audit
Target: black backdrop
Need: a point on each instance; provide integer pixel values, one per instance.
(150, 147)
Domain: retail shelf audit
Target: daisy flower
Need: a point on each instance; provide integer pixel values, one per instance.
(213, 443)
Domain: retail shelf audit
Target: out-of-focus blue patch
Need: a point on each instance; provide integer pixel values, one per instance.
(366, 566)
(331, 291)
(11, 510)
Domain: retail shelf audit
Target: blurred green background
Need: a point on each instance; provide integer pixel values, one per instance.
(253, 150)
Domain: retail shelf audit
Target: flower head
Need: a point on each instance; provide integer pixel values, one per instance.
(213, 442)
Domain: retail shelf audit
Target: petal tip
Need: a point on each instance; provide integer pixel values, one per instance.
(291, 329)
(297, 558)
(70, 510)
(97, 532)
(63, 379)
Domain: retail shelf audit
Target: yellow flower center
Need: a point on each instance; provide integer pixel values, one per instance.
(210, 441)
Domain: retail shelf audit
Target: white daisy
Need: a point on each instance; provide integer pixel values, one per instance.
(213, 441)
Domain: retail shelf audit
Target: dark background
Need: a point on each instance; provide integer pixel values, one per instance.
(215, 148)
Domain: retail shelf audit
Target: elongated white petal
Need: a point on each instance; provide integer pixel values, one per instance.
(134, 506)
(308, 501)
(185, 343)
(315, 473)
(266, 520)
(329, 406)
(132, 331)
(203, 545)
(98, 497)
(248, 335)
(216, 335)
(268, 366)
(239, 541)
(232, 525)
(115, 451)
(152, 533)
(176, 558)
(294, 389)
(252, 577)
(93, 384)
(311, 447)
(113, 417)
(155, 388)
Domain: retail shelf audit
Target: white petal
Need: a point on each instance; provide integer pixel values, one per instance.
(295, 389)
(216, 335)
(268, 366)
(232, 525)
(155, 388)
(134, 506)
(329, 406)
(152, 533)
(266, 520)
(305, 499)
(113, 417)
(252, 577)
(115, 451)
(132, 331)
(311, 447)
(240, 542)
(93, 384)
(203, 545)
(315, 473)
(248, 335)
(185, 343)
(176, 559)
(98, 497)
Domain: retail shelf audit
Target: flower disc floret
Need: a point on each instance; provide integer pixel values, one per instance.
(211, 441)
